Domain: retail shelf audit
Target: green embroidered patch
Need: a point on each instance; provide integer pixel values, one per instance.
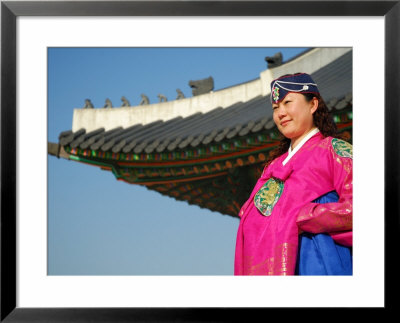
(268, 195)
(342, 148)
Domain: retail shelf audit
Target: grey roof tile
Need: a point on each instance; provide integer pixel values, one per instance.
(334, 81)
(121, 135)
(68, 137)
(106, 136)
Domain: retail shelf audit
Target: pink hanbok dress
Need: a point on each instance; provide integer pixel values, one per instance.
(280, 206)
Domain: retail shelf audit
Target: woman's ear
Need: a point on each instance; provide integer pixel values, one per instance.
(314, 104)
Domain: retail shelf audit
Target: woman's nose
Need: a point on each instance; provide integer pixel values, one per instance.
(281, 112)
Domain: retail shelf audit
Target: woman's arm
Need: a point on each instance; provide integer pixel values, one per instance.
(335, 218)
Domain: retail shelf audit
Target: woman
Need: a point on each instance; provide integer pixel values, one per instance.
(311, 163)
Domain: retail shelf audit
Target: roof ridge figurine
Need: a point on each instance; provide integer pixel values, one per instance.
(125, 102)
(162, 98)
(88, 104)
(108, 104)
(145, 100)
(180, 94)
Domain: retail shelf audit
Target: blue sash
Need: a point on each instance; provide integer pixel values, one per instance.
(319, 254)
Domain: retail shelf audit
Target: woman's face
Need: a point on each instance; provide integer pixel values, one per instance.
(294, 116)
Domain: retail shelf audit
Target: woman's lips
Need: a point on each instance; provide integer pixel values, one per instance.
(283, 123)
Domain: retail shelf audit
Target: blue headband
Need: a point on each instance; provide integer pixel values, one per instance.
(298, 83)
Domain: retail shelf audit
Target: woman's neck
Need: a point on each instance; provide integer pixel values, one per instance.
(296, 141)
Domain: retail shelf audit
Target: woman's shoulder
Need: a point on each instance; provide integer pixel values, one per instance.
(276, 162)
(339, 146)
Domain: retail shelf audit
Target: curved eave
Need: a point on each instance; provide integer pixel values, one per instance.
(193, 163)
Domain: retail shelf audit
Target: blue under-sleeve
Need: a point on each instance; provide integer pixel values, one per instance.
(319, 254)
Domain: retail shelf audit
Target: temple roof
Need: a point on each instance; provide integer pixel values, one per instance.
(210, 159)
(216, 125)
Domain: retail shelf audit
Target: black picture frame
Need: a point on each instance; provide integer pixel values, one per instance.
(10, 10)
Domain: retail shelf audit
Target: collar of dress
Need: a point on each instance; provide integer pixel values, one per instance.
(300, 144)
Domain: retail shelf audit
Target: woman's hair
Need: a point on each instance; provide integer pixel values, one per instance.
(322, 120)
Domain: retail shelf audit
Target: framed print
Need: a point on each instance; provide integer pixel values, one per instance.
(95, 24)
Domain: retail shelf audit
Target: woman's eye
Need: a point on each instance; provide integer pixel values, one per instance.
(286, 102)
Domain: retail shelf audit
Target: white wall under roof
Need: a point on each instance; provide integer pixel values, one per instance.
(92, 119)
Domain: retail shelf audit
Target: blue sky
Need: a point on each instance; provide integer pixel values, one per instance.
(100, 226)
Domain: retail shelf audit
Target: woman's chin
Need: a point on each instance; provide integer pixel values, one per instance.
(288, 134)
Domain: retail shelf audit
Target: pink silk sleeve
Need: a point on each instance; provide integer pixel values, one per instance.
(334, 218)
